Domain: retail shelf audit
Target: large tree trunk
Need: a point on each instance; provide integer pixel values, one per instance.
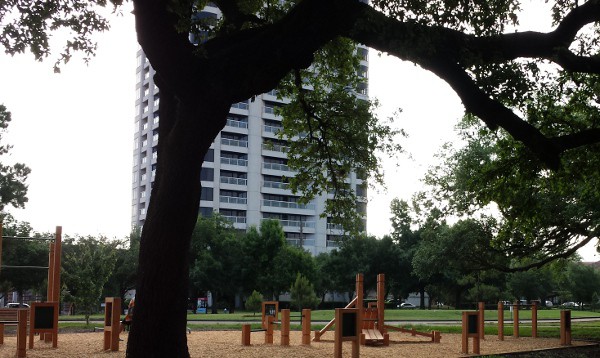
(159, 323)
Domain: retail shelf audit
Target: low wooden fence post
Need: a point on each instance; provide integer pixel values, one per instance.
(565, 328)
(534, 315)
(482, 320)
(245, 334)
(306, 326)
(22, 333)
(269, 331)
(285, 327)
(501, 321)
(516, 319)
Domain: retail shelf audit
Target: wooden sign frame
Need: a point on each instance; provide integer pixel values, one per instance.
(43, 318)
(112, 323)
(267, 310)
(470, 329)
(347, 328)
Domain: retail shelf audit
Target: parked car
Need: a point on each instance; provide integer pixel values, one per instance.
(549, 304)
(570, 304)
(17, 305)
(407, 305)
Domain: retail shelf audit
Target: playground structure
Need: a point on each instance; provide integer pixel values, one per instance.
(43, 317)
(268, 322)
(371, 319)
(515, 311)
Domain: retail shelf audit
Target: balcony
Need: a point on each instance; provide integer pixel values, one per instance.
(234, 142)
(236, 219)
(276, 166)
(235, 161)
(295, 223)
(240, 105)
(275, 147)
(287, 204)
(237, 124)
(331, 226)
(234, 181)
(232, 200)
(305, 242)
(271, 129)
(276, 185)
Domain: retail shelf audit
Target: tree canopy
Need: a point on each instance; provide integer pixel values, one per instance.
(499, 74)
(13, 189)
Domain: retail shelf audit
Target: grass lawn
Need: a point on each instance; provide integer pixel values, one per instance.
(390, 315)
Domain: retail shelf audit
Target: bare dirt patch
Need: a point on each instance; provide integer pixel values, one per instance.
(228, 344)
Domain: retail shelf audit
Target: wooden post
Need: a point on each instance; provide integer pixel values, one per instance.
(50, 291)
(359, 303)
(285, 327)
(347, 328)
(22, 333)
(112, 323)
(481, 307)
(516, 319)
(500, 321)
(470, 328)
(269, 331)
(306, 326)
(534, 312)
(56, 262)
(565, 328)
(245, 334)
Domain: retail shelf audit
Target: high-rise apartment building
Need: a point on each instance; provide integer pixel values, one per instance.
(243, 170)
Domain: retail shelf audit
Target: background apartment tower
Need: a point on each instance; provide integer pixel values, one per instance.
(242, 172)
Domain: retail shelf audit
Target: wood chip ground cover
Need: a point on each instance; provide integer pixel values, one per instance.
(228, 344)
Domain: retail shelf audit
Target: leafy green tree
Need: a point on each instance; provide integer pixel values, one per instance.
(260, 250)
(582, 282)
(531, 284)
(87, 263)
(124, 276)
(254, 302)
(542, 215)
(215, 258)
(286, 265)
(13, 189)
(496, 72)
(303, 293)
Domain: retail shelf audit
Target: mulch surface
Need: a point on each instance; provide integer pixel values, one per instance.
(228, 344)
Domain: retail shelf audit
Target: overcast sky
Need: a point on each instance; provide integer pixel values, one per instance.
(75, 131)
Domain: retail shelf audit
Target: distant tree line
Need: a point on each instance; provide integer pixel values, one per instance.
(453, 264)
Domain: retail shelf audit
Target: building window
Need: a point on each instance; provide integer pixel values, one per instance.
(207, 174)
(210, 155)
(206, 212)
(207, 194)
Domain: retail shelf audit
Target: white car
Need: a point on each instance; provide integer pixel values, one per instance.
(407, 305)
(17, 305)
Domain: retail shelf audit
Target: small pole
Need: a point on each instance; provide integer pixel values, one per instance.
(306, 326)
(269, 332)
(534, 312)
(500, 321)
(516, 320)
(481, 320)
(245, 334)
(565, 328)
(22, 333)
(285, 327)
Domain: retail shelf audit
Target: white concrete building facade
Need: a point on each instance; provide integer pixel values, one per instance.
(242, 172)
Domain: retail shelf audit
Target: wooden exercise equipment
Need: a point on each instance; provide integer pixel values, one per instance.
(372, 318)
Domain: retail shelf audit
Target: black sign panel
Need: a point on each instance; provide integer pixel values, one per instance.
(568, 320)
(349, 324)
(44, 317)
(270, 310)
(472, 323)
